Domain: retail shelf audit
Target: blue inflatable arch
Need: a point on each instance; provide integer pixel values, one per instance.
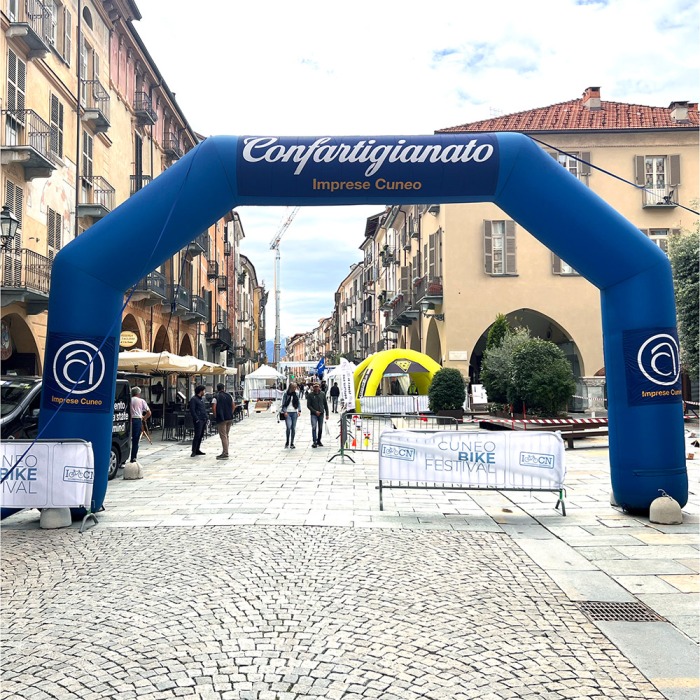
(90, 276)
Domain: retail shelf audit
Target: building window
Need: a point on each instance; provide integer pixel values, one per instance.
(499, 248)
(578, 164)
(16, 82)
(659, 175)
(60, 33)
(54, 228)
(14, 197)
(660, 236)
(56, 126)
(86, 166)
(559, 267)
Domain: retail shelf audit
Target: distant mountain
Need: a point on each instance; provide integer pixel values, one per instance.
(270, 349)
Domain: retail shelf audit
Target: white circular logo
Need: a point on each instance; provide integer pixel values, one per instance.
(76, 370)
(658, 359)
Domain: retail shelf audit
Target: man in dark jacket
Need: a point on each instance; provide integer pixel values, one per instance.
(335, 393)
(222, 406)
(318, 406)
(199, 417)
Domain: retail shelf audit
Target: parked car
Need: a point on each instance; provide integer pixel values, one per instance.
(19, 415)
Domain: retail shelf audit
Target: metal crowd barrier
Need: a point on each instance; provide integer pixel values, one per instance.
(359, 432)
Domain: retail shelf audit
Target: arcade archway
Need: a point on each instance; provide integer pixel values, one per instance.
(638, 310)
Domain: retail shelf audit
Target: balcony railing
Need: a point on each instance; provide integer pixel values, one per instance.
(227, 248)
(97, 197)
(199, 309)
(427, 287)
(25, 276)
(171, 146)
(31, 25)
(138, 182)
(222, 283)
(219, 334)
(95, 101)
(26, 140)
(388, 256)
(179, 299)
(143, 108)
(151, 288)
(659, 197)
(212, 270)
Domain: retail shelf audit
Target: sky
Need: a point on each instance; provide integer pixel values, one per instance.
(401, 68)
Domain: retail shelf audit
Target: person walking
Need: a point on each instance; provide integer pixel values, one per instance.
(139, 412)
(335, 393)
(318, 406)
(291, 408)
(199, 417)
(222, 407)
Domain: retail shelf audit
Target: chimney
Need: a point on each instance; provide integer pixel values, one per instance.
(591, 98)
(679, 111)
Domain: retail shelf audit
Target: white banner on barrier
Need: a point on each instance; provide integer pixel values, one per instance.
(50, 475)
(505, 460)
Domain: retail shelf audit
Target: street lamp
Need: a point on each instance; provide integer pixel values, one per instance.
(8, 226)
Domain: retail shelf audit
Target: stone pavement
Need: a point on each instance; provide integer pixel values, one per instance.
(274, 575)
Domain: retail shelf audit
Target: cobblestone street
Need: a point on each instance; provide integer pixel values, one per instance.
(274, 576)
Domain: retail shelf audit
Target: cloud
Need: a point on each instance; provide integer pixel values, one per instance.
(283, 68)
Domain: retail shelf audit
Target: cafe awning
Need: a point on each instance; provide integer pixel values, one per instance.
(167, 362)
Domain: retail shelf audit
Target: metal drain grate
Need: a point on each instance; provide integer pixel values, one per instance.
(598, 611)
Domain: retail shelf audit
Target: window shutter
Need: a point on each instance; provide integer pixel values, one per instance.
(53, 225)
(510, 266)
(556, 264)
(16, 81)
(639, 176)
(585, 165)
(67, 35)
(405, 282)
(431, 256)
(674, 171)
(438, 253)
(488, 249)
(56, 126)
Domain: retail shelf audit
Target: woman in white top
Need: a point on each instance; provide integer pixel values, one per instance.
(291, 408)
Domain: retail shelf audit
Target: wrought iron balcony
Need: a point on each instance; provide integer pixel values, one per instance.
(95, 101)
(199, 310)
(31, 25)
(179, 300)
(427, 288)
(138, 182)
(218, 334)
(661, 197)
(171, 146)
(143, 108)
(151, 289)
(212, 270)
(25, 276)
(199, 245)
(222, 283)
(26, 140)
(98, 197)
(227, 248)
(388, 256)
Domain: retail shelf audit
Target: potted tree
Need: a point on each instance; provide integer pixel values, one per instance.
(447, 392)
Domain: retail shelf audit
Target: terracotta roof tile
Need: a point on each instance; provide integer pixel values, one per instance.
(574, 116)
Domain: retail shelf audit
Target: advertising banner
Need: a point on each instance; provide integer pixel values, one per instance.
(485, 459)
(51, 474)
(79, 374)
(417, 167)
(653, 366)
(345, 376)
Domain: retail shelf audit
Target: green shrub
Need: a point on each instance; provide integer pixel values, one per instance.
(498, 331)
(497, 365)
(447, 390)
(683, 252)
(541, 378)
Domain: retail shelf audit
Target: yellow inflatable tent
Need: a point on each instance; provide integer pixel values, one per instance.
(393, 372)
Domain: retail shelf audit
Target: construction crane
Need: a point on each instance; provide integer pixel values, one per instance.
(275, 245)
